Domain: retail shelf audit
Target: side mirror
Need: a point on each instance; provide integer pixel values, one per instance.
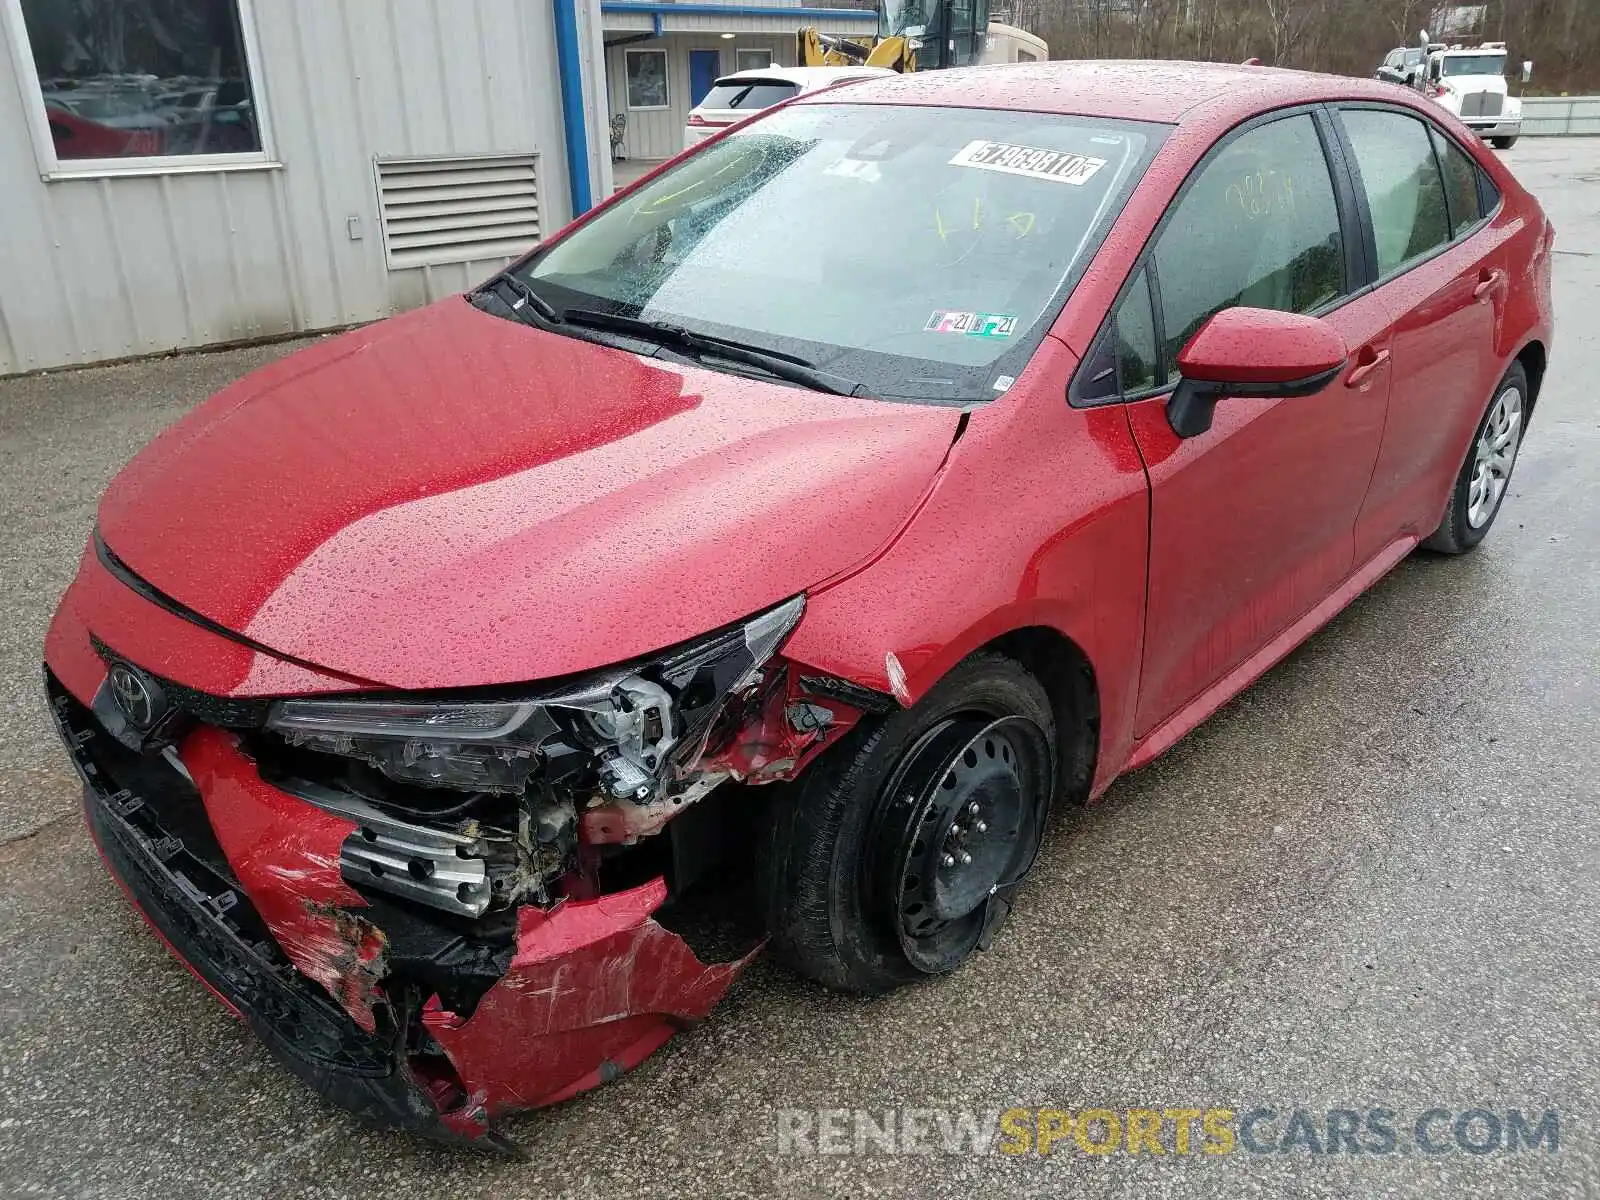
(1527, 71)
(1252, 352)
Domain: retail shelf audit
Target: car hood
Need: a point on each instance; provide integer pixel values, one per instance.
(451, 499)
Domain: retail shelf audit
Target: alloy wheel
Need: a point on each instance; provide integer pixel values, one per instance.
(1494, 456)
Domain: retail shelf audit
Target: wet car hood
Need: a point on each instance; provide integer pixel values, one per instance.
(449, 499)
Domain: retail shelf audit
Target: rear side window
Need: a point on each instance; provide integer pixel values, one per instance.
(1460, 184)
(1403, 186)
(749, 94)
(1259, 227)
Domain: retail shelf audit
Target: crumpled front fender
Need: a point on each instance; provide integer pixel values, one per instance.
(594, 987)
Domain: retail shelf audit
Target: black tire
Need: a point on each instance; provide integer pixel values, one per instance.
(817, 852)
(1503, 143)
(1456, 534)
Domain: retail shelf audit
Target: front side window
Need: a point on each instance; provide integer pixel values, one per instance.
(1460, 183)
(1258, 228)
(919, 251)
(142, 78)
(1405, 194)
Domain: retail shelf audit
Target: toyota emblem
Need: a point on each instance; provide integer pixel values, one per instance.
(134, 695)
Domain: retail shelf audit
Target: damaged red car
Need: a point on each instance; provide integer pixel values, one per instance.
(760, 560)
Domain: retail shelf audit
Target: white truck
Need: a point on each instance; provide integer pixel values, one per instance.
(1471, 82)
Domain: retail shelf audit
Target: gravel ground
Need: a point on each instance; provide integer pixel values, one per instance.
(1373, 880)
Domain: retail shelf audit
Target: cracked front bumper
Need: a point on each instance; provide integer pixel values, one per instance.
(242, 881)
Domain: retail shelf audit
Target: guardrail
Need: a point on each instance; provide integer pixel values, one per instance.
(1559, 116)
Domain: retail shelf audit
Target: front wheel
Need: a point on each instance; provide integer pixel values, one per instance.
(1503, 143)
(1480, 487)
(897, 854)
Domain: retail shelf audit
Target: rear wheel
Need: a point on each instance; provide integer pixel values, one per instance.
(897, 855)
(1481, 485)
(1503, 143)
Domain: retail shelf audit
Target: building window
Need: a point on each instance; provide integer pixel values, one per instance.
(137, 83)
(647, 78)
(752, 60)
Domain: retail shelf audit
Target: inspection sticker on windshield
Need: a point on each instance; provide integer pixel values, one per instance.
(1055, 165)
(973, 324)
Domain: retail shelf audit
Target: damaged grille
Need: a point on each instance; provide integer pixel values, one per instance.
(226, 712)
(151, 826)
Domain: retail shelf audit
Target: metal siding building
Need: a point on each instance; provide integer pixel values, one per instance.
(101, 265)
(658, 132)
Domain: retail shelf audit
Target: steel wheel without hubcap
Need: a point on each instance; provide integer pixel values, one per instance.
(1494, 456)
(960, 827)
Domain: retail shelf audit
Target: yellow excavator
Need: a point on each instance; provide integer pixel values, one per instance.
(924, 35)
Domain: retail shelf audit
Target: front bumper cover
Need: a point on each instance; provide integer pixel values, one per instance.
(242, 881)
(1491, 127)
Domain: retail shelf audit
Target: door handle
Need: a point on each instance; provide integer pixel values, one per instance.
(1488, 283)
(1369, 362)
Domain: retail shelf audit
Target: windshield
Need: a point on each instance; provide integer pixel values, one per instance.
(903, 16)
(919, 251)
(944, 33)
(1474, 64)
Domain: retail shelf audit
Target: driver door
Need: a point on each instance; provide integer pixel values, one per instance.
(1252, 523)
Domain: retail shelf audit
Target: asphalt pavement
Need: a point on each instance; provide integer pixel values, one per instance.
(1372, 882)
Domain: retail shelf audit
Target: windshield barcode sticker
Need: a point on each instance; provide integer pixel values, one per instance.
(1055, 165)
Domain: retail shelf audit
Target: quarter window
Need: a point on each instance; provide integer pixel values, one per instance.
(1405, 192)
(1259, 227)
(1460, 183)
(1136, 339)
(1123, 361)
(142, 78)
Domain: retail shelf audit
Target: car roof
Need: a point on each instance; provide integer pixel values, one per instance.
(805, 76)
(1163, 91)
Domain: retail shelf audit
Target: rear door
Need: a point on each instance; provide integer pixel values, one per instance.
(1440, 269)
(1252, 522)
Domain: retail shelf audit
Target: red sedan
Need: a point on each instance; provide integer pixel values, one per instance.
(930, 452)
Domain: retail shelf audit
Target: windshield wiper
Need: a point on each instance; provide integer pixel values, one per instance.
(526, 299)
(788, 367)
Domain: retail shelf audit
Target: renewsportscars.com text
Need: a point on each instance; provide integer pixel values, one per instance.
(1212, 1131)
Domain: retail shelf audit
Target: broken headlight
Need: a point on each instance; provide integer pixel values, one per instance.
(631, 724)
(469, 747)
